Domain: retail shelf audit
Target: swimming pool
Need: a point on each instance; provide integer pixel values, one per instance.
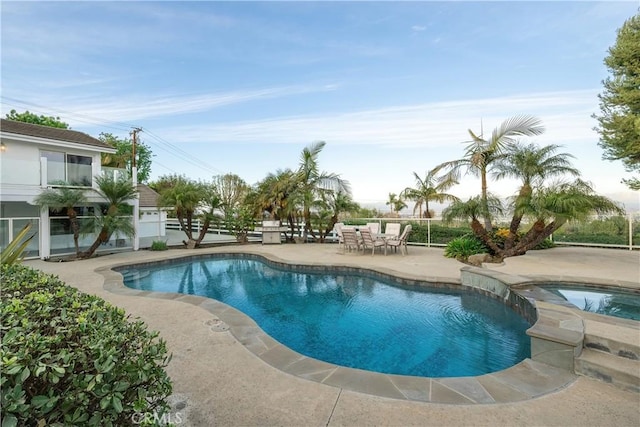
(610, 302)
(355, 320)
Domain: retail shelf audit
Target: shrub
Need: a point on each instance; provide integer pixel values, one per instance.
(70, 358)
(463, 247)
(14, 252)
(159, 245)
(545, 244)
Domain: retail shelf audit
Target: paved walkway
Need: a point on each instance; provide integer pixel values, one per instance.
(225, 384)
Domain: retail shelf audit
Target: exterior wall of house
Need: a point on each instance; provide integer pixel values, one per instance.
(23, 176)
(22, 168)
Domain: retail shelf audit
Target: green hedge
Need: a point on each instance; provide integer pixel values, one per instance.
(73, 359)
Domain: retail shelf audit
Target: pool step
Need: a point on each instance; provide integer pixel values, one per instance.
(619, 337)
(611, 351)
(616, 370)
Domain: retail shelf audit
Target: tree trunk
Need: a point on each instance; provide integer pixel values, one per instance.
(75, 228)
(185, 228)
(102, 238)
(509, 243)
(203, 231)
(485, 202)
(482, 234)
(538, 232)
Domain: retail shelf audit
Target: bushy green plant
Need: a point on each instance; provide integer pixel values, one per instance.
(159, 245)
(462, 248)
(240, 221)
(70, 358)
(545, 244)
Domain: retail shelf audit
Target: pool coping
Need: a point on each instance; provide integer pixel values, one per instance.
(523, 381)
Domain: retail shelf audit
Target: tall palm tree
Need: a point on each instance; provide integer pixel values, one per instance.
(312, 181)
(481, 153)
(532, 165)
(64, 199)
(115, 218)
(426, 190)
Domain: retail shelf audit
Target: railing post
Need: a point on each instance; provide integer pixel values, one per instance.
(630, 232)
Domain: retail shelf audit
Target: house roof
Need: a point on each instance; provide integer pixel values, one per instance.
(66, 135)
(148, 197)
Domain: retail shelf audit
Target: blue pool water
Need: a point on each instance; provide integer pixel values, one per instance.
(611, 302)
(353, 320)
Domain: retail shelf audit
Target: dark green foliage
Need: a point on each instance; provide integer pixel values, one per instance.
(42, 120)
(124, 156)
(73, 359)
(439, 234)
(620, 101)
(462, 248)
(545, 244)
(159, 245)
(610, 231)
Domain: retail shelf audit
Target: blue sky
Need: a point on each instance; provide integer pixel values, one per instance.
(243, 87)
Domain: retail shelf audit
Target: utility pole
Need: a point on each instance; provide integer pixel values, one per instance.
(136, 201)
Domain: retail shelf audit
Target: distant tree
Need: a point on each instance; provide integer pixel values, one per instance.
(124, 154)
(619, 119)
(232, 190)
(427, 190)
(392, 201)
(28, 117)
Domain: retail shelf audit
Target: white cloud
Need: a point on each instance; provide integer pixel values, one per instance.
(418, 28)
(566, 116)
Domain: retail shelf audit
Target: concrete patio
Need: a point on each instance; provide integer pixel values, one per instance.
(225, 381)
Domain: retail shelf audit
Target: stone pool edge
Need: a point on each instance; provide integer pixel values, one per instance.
(523, 381)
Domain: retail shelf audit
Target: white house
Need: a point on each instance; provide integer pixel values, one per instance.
(33, 158)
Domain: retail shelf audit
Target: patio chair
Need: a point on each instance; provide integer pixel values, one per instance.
(401, 242)
(350, 239)
(392, 230)
(338, 229)
(368, 241)
(374, 227)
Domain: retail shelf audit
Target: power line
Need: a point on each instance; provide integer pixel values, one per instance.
(163, 144)
(75, 116)
(189, 158)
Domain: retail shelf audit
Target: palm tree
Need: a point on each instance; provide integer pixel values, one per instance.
(64, 199)
(550, 208)
(427, 190)
(115, 218)
(532, 165)
(277, 194)
(553, 206)
(190, 200)
(399, 205)
(481, 153)
(392, 201)
(312, 182)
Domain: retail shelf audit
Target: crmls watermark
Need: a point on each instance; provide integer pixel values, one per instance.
(155, 418)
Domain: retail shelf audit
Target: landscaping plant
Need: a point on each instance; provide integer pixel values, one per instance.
(70, 358)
